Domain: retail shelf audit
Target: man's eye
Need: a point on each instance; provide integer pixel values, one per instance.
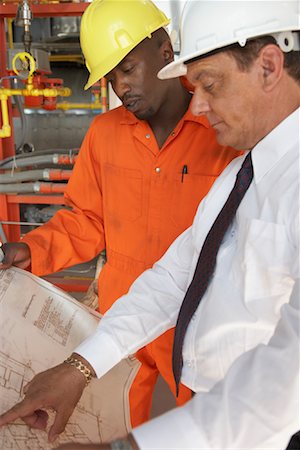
(208, 87)
(128, 69)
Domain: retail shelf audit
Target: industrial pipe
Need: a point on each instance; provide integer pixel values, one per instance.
(5, 130)
(57, 159)
(35, 92)
(29, 175)
(29, 90)
(66, 106)
(37, 187)
(49, 151)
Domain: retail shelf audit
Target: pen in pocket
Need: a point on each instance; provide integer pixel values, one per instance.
(183, 172)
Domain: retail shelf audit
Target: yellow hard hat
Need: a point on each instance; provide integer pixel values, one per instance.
(110, 29)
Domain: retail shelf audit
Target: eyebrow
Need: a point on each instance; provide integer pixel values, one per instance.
(199, 76)
(205, 73)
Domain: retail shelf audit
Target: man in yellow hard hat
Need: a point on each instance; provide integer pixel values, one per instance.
(140, 174)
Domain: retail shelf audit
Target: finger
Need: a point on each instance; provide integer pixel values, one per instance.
(38, 420)
(6, 261)
(59, 424)
(20, 410)
(16, 256)
(4, 257)
(25, 388)
(4, 265)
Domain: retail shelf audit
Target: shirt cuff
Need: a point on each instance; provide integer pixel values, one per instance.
(173, 430)
(102, 357)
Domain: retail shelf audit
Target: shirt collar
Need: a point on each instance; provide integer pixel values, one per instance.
(268, 152)
(127, 117)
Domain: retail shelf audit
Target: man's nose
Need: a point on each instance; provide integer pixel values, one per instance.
(199, 104)
(121, 86)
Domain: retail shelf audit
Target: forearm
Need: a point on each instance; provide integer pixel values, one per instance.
(80, 237)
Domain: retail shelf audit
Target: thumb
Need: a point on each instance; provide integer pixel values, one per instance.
(17, 254)
(7, 259)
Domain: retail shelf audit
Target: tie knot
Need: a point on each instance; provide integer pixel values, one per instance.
(247, 164)
(245, 174)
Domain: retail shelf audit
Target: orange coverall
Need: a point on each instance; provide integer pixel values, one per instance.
(132, 199)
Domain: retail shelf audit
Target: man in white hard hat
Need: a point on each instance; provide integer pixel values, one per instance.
(231, 281)
(141, 172)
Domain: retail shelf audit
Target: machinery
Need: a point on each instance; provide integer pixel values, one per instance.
(40, 131)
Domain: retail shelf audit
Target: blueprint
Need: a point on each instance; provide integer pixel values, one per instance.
(40, 325)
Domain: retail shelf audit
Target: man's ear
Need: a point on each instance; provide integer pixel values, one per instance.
(271, 60)
(167, 51)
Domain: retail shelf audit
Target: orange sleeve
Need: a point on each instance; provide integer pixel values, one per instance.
(76, 235)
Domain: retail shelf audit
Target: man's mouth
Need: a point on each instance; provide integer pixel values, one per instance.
(130, 102)
(216, 123)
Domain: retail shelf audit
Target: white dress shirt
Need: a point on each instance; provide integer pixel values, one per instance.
(241, 350)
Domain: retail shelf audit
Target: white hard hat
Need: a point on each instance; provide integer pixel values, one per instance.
(208, 25)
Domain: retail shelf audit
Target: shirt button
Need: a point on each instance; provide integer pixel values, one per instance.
(189, 363)
(173, 133)
(194, 317)
(148, 136)
(157, 169)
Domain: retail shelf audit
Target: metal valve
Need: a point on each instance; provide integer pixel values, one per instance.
(23, 19)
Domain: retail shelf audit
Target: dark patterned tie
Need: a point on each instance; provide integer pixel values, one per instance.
(206, 262)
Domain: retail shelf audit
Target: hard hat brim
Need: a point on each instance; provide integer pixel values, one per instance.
(173, 70)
